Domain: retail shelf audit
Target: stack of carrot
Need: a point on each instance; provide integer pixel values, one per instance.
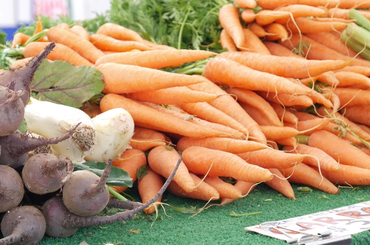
(287, 102)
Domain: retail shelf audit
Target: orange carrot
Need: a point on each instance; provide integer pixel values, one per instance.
(299, 10)
(203, 191)
(130, 161)
(343, 13)
(246, 4)
(312, 125)
(328, 78)
(145, 139)
(280, 184)
(283, 114)
(352, 79)
(145, 144)
(119, 32)
(303, 174)
(287, 99)
(358, 69)
(219, 143)
(275, 133)
(119, 78)
(227, 42)
(19, 39)
(221, 163)
(63, 25)
(253, 43)
(157, 46)
(257, 29)
(279, 50)
(85, 48)
(60, 52)
(259, 115)
(270, 158)
(357, 114)
(273, 4)
(248, 15)
(265, 17)
(20, 63)
(307, 25)
(353, 4)
(226, 190)
(276, 31)
(229, 19)
(348, 175)
(352, 96)
(145, 116)
(244, 187)
(148, 186)
(163, 159)
(91, 109)
(80, 31)
(339, 149)
(290, 141)
(320, 160)
(107, 43)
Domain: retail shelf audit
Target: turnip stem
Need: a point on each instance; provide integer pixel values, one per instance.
(356, 46)
(360, 19)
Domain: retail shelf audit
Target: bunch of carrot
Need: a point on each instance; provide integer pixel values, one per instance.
(286, 102)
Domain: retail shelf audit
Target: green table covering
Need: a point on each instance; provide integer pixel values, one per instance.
(215, 225)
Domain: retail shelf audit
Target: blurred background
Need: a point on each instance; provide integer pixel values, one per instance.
(14, 13)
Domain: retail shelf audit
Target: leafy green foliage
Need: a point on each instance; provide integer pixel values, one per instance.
(2, 37)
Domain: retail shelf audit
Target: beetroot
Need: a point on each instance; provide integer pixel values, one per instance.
(46, 173)
(24, 225)
(11, 188)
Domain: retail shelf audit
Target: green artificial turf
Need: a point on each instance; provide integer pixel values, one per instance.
(215, 225)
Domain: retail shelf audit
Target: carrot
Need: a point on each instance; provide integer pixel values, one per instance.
(265, 16)
(85, 48)
(364, 127)
(244, 187)
(253, 99)
(339, 149)
(312, 125)
(260, 116)
(219, 143)
(221, 163)
(163, 159)
(145, 116)
(257, 29)
(328, 78)
(307, 25)
(352, 96)
(253, 43)
(299, 10)
(156, 59)
(107, 43)
(246, 4)
(231, 107)
(210, 113)
(119, 78)
(148, 186)
(358, 69)
(248, 15)
(229, 20)
(203, 191)
(280, 184)
(172, 96)
(80, 31)
(225, 71)
(353, 4)
(19, 39)
(290, 67)
(343, 13)
(119, 32)
(283, 114)
(20, 63)
(357, 114)
(145, 139)
(270, 158)
(348, 175)
(226, 190)
(157, 46)
(276, 31)
(145, 144)
(303, 174)
(91, 109)
(275, 133)
(227, 42)
(273, 4)
(290, 141)
(352, 79)
(60, 52)
(130, 161)
(63, 25)
(320, 160)
(287, 99)
(279, 50)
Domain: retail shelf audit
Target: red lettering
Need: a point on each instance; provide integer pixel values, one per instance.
(330, 220)
(308, 225)
(353, 214)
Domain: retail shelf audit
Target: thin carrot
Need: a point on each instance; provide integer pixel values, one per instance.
(130, 161)
(162, 160)
(145, 139)
(279, 50)
(303, 174)
(19, 39)
(229, 19)
(358, 69)
(248, 15)
(227, 42)
(290, 141)
(145, 116)
(278, 132)
(226, 190)
(259, 115)
(246, 4)
(119, 78)
(299, 10)
(364, 127)
(280, 184)
(60, 52)
(20, 62)
(287, 99)
(119, 32)
(352, 96)
(265, 16)
(85, 48)
(107, 43)
(203, 191)
(253, 43)
(145, 144)
(357, 114)
(307, 25)
(148, 186)
(289, 67)
(339, 149)
(328, 78)
(343, 13)
(353, 4)
(257, 29)
(312, 125)
(219, 143)
(244, 187)
(221, 163)
(283, 114)
(348, 175)
(276, 31)
(273, 4)
(352, 79)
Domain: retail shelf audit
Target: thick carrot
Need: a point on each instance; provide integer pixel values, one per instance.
(358, 69)
(148, 117)
(257, 29)
(261, 118)
(148, 186)
(172, 96)
(283, 114)
(226, 190)
(107, 43)
(273, 4)
(280, 184)
(203, 191)
(307, 25)
(343, 13)
(276, 31)
(145, 139)
(119, 78)
(219, 143)
(85, 48)
(352, 79)
(328, 78)
(357, 114)
(156, 59)
(60, 52)
(290, 141)
(339, 149)
(353, 4)
(352, 96)
(246, 4)
(130, 161)
(280, 50)
(348, 175)
(244, 187)
(270, 158)
(248, 15)
(91, 109)
(162, 160)
(201, 160)
(63, 25)
(225, 71)
(253, 43)
(265, 16)
(210, 113)
(275, 133)
(227, 42)
(299, 10)
(80, 31)
(283, 66)
(321, 159)
(19, 39)
(303, 174)
(287, 99)
(145, 144)
(229, 19)
(119, 32)
(312, 125)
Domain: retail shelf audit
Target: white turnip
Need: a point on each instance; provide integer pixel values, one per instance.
(11, 188)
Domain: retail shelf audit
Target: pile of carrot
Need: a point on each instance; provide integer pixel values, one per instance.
(287, 101)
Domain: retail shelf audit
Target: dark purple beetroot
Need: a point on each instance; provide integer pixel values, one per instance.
(46, 173)
(11, 188)
(11, 110)
(23, 225)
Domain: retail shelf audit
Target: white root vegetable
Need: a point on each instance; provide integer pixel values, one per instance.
(114, 130)
(53, 120)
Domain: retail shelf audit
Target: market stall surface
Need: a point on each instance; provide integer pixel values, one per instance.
(217, 224)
